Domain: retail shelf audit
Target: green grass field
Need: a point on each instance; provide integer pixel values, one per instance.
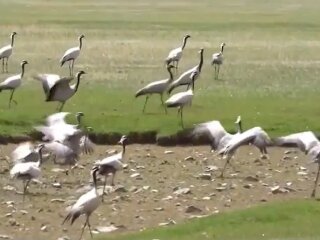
(270, 74)
(292, 220)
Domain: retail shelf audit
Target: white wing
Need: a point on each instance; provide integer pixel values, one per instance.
(180, 98)
(303, 140)
(183, 79)
(28, 168)
(175, 54)
(114, 161)
(22, 151)
(214, 130)
(257, 136)
(57, 118)
(11, 82)
(71, 53)
(48, 80)
(6, 51)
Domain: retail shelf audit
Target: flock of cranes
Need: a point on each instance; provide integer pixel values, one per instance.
(55, 88)
(63, 143)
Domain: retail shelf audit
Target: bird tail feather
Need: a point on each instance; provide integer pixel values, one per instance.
(140, 93)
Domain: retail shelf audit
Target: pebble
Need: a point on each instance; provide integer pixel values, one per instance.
(59, 200)
(8, 188)
(206, 198)
(205, 176)
(112, 151)
(220, 189)
(64, 238)
(56, 185)
(5, 237)
(106, 229)
(278, 189)
(120, 189)
(181, 191)
(170, 222)
(302, 173)
(158, 209)
(189, 158)
(251, 179)
(167, 198)
(193, 209)
(211, 168)
(24, 212)
(44, 228)
(248, 186)
(134, 175)
(168, 152)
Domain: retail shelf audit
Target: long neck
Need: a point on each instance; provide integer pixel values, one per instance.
(123, 149)
(239, 126)
(80, 43)
(170, 75)
(77, 84)
(12, 40)
(222, 46)
(40, 157)
(22, 71)
(94, 176)
(184, 42)
(79, 120)
(201, 61)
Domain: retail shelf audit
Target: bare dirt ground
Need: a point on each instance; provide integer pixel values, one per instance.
(149, 199)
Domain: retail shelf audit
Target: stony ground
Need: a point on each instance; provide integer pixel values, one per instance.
(147, 193)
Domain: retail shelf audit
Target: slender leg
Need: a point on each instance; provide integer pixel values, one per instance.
(72, 67)
(113, 176)
(313, 194)
(85, 224)
(218, 71)
(181, 117)
(25, 188)
(225, 166)
(11, 96)
(89, 226)
(165, 109)
(145, 103)
(6, 64)
(104, 186)
(61, 107)
(3, 65)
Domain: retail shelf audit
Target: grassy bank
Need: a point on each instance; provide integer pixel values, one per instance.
(283, 220)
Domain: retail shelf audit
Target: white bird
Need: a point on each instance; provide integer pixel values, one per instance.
(181, 99)
(57, 129)
(85, 205)
(185, 78)
(6, 51)
(25, 152)
(48, 80)
(157, 87)
(176, 54)
(86, 145)
(61, 91)
(308, 143)
(216, 133)
(13, 82)
(217, 60)
(26, 171)
(111, 164)
(255, 136)
(71, 55)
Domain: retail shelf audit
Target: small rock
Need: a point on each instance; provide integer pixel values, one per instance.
(158, 209)
(170, 222)
(263, 200)
(193, 209)
(181, 191)
(44, 228)
(286, 158)
(248, 186)
(58, 170)
(5, 237)
(278, 189)
(59, 200)
(220, 189)
(206, 198)
(302, 173)
(8, 215)
(125, 166)
(24, 212)
(134, 175)
(56, 185)
(205, 176)
(189, 158)
(168, 152)
(106, 229)
(288, 152)
(167, 198)
(133, 189)
(12, 222)
(251, 179)
(146, 188)
(64, 238)
(120, 189)
(8, 188)
(211, 168)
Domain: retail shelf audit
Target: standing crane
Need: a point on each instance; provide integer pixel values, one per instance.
(13, 82)
(157, 87)
(71, 55)
(175, 55)
(217, 60)
(6, 51)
